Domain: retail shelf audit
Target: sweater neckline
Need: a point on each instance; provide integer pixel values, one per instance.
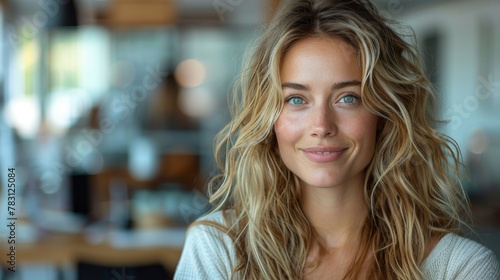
(440, 245)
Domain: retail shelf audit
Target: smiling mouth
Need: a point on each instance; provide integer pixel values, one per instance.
(323, 150)
(323, 154)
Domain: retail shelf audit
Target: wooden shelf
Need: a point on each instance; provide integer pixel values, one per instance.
(61, 249)
(140, 13)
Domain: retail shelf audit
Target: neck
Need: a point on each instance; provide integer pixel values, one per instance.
(337, 214)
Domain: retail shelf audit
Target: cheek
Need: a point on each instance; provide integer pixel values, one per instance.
(287, 130)
(364, 131)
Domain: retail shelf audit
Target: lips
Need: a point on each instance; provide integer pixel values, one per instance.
(323, 154)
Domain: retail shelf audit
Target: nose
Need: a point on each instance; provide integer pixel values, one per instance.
(322, 122)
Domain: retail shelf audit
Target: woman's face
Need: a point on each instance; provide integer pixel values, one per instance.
(325, 135)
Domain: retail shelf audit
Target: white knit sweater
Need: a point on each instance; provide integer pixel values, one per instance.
(209, 254)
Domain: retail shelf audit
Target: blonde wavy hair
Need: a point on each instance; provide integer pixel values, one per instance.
(412, 186)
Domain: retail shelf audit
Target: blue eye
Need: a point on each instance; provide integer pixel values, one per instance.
(296, 100)
(349, 99)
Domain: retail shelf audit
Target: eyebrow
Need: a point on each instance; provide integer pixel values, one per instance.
(335, 86)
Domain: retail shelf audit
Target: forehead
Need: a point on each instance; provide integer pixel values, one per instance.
(314, 58)
(315, 43)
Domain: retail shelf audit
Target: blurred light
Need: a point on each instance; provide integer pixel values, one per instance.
(142, 159)
(197, 103)
(190, 73)
(23, 114)
(478, 142)
(65, 107)
(30, 54)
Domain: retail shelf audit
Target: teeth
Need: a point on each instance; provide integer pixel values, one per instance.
(322, 153)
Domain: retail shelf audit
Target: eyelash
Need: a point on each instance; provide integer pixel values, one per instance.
(347, 94)
(291, 97)
(351, 94)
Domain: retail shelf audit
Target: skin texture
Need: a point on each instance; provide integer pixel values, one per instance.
(323, 112)
(327, 138)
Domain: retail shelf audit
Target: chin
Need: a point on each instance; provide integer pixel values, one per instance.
(323, 184)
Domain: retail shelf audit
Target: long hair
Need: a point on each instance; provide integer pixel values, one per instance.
(412, 186)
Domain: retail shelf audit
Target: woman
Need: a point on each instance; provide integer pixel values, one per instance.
(330, 167)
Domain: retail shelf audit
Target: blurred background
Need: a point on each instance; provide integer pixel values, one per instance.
(108, 109)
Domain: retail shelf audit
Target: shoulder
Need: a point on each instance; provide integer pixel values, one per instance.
(456, 257)
(217, 216)
(208, 251)
(205, 228)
